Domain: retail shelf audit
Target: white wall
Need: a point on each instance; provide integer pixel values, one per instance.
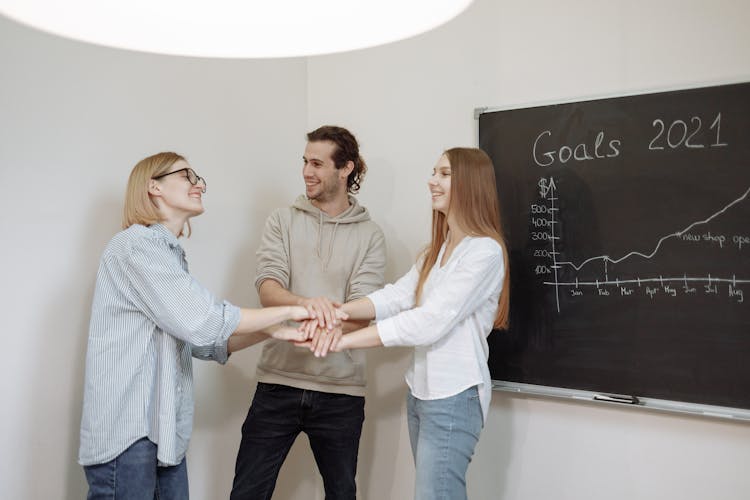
(75, 118)
(410, 100)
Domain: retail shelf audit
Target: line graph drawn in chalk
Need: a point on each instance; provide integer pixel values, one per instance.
(545, 219)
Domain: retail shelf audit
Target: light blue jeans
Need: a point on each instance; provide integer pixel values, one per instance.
(134, 475)
(443, 435)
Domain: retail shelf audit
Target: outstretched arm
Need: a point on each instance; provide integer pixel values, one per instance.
(257, 325)
(360, 309)
(365, 337)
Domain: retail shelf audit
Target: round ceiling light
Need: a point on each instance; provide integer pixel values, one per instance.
(235, 28)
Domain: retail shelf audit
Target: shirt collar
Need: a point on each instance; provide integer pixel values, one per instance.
(164, 232)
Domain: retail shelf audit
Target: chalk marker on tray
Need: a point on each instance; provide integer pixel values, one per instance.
(617, 398)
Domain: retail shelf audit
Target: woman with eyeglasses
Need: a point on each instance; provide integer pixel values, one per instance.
(149, 318)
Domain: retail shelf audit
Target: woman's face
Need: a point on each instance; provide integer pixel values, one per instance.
(440, 185)
(177, 194)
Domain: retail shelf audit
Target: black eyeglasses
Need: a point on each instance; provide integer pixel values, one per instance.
(192, 177)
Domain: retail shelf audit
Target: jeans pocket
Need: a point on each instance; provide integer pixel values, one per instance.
(474, 410)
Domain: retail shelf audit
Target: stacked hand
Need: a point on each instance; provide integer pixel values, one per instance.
(325, 312)
(324, 341)
(322, 331)
(291, 333)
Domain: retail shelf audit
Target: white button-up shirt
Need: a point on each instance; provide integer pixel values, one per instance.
(450, 325)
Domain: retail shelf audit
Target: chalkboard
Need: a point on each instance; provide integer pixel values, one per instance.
(628, 228)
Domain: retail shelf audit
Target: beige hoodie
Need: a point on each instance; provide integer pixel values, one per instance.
(311, 254)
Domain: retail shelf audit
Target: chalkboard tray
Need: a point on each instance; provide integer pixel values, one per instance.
(628, 226)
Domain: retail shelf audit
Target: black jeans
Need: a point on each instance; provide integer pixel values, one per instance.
(332, 422)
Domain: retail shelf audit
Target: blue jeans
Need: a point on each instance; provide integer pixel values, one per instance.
(443, 435)
(332, 422)
(134, 475)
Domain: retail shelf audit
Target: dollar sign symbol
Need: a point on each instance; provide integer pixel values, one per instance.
(543, 188)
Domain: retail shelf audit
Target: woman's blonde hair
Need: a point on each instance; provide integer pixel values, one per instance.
(475, 207)
(139, 207)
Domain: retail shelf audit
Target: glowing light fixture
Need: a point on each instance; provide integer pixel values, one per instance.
(235, 28)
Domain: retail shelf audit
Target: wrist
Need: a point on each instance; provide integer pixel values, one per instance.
(343, 343)
(293, 312)
(270, 331)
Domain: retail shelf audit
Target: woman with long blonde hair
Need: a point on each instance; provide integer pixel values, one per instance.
(149, 318)
(445, 307)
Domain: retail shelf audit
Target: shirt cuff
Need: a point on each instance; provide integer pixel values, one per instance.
(279, 277)
(388, 333)
(380, 304)
(232, 320)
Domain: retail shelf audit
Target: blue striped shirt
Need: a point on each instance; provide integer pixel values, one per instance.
(149, 317)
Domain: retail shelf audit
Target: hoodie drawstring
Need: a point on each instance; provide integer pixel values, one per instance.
(319, 243)
(320, 236)
(355, 213)
(330, 247)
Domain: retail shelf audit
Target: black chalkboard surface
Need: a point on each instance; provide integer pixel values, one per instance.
(628, 226)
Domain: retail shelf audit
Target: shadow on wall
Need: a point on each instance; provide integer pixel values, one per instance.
(384, 409)
(59, 319)
(76, 485)
(223, 393)
(488, 472)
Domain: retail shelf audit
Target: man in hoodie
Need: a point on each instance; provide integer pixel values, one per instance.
(322, 250)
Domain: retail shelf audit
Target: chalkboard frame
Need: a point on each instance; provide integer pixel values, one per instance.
(617, 400)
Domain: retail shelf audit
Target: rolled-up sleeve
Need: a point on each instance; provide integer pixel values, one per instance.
(476, 277)
(395, 297)
(218, 352)
(176, 302)
(370, 275)
(272, 257)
